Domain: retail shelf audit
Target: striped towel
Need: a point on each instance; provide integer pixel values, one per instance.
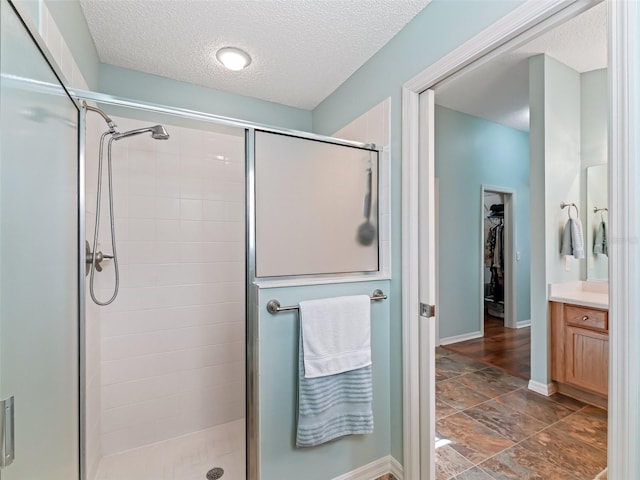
(333, 406)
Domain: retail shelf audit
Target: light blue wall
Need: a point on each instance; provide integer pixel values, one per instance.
(442, 26)
(32, 9)
(554, 98)
(155, 89)
(471, 152)
(278, 379)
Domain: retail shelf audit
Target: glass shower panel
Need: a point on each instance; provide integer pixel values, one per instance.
(316, 207)
(38, 259)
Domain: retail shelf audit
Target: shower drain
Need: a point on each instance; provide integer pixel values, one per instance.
(215, 473)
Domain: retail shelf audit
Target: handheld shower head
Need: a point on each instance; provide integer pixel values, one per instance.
(158, 132)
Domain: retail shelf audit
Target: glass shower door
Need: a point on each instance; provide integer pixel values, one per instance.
(39, 301)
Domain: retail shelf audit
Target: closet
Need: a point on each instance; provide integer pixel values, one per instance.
(494, 254)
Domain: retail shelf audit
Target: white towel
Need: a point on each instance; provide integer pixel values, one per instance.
(577, 239)
(336, 334)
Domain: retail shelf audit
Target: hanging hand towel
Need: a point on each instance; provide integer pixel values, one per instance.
(333, 406)
(577, 239)
(336, 334)
(600, 245)
(565, 248)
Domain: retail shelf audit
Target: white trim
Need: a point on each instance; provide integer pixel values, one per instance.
(542, 389)
(510, 254)
(427, 279)
(396, 469)
(410, 312)
(523, 323)
(524, 22)
(275, 283)
(521, 25)
(371, 471)
(460, 338)
(624, 258)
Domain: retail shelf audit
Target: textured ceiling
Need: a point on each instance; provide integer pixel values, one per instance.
(302, 50)
(499, 90)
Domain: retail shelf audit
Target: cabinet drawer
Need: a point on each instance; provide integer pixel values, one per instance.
(586, 317)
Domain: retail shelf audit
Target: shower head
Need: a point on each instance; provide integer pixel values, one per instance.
(158, 132)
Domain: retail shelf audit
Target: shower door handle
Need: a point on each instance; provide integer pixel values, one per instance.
(7, 443)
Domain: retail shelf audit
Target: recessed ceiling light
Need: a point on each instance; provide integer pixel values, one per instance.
(233, 58)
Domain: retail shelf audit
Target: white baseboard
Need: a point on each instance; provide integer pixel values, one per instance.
(542, 389)
(396, 469)
(460, 338)
(523, 323)
(375, 469)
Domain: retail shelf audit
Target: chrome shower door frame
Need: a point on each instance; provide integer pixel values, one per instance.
(251, 286)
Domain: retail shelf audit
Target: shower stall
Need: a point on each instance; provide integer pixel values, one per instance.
(128, 279)
(166, 374)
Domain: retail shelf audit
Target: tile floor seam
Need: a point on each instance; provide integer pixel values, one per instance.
(526, 414)
(488, 427)
(515, 444)
(519, 444)
(557, 466)
(497, 433)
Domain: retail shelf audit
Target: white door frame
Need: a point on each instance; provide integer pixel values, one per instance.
(510, 317)
(516, 28)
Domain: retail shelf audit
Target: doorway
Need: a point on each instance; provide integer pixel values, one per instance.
(419, 109)
(503, 341)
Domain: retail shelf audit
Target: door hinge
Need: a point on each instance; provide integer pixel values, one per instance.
(427, 311)
(6, 432)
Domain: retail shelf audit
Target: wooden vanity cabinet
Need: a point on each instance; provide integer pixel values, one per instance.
(580, 351)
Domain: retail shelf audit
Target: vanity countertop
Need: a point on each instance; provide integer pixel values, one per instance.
(586, 294)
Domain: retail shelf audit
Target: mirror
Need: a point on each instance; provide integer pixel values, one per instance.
(597, 222)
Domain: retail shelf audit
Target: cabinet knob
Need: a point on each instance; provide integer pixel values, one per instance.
(585, 318)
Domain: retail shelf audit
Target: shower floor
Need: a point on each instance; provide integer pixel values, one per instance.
(188, 457)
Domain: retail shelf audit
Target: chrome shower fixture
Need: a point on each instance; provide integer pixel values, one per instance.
(93, 257)
(112, 126)
(158, 132)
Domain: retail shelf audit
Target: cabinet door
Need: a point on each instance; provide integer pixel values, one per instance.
(587, 359)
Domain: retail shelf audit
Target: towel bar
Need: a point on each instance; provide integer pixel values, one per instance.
(274, 305)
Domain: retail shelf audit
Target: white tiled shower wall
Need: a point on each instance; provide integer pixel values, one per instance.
(172, 344)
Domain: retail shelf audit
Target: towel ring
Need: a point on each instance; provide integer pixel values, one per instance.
(564, 205)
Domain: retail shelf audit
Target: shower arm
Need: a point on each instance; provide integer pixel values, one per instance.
(112, 126)
(119, 136)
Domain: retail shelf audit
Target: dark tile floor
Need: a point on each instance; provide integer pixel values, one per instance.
(491, 427)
